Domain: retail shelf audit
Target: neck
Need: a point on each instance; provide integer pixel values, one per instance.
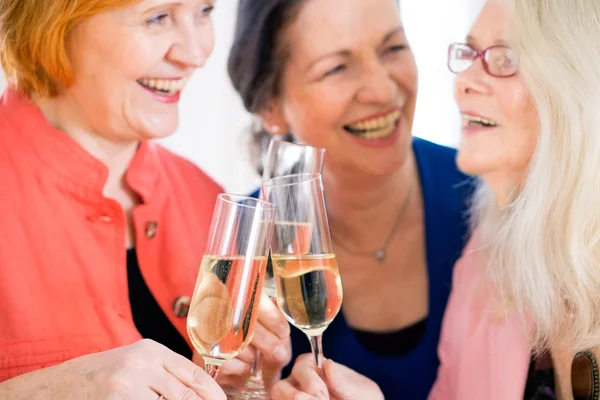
(116, 156)
(364, 210)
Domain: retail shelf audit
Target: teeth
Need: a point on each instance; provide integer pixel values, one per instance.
(167, 86)
(376, 124)
(468, 119)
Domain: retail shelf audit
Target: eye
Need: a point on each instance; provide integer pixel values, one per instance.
(203, 15)
(335, 70)
(463, 53)
(207, 11)
(159, 19)
(396, 49)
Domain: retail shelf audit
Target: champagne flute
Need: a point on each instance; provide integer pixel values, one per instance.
(225, 303)
(308, 285)
(287, 158)
(283, 158)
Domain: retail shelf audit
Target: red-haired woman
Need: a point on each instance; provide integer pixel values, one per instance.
(101, 232)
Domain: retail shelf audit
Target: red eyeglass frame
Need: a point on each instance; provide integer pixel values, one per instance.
(478, 54)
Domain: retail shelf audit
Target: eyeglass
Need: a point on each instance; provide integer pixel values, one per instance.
(498, 61)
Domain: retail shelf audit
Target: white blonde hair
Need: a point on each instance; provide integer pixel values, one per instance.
(544, 246)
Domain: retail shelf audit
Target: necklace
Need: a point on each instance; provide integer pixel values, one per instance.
(381, 253)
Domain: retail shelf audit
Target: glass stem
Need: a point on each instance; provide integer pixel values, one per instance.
(212, 370)
(256, 373)
(316, 346)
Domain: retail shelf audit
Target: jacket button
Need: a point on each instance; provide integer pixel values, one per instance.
(181, 306)
(105, 218)
(151, 228)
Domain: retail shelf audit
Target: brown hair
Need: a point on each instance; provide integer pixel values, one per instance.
(257, 58)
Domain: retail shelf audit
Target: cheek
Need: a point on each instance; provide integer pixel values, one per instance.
(207, 39)
(404, 72)
(522, 124)
(405, 75)
(317, 112)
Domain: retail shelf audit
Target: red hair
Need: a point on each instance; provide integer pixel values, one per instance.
(33, 39)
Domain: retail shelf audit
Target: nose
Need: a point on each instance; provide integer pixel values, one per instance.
(378, 86)
(193, 46)
(473, 80)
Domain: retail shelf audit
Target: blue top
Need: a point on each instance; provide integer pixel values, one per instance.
(446, 193)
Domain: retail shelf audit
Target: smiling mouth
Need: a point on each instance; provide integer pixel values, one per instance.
(164, 87)
(476, 121)
(375, 128)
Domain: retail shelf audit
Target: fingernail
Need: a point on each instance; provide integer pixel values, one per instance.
(280, 353)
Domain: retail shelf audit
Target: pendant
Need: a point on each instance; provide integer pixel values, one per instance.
(380, 255)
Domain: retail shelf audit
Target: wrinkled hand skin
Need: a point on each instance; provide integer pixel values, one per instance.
(333, 382)
(141, 371)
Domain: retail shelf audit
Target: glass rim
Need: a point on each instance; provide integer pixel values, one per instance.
(228, 198)
(296, 144)
(304, 178)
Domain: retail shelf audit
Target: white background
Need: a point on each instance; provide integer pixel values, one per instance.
(214, 130)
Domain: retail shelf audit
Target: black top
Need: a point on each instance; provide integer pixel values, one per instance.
(149, 318)
(585, 382)
(540, 380)
(393, 344)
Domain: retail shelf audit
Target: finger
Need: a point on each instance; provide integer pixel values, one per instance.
(192, 376)
(234, 370)
(248, 355)
(272, 319)
(271, 346)
(307, 377)
(284, 390)
(344, 383)
(146, 393)
(166, 385)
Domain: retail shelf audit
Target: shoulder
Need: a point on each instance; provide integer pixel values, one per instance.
(16, 110)
(471, 264)
(445, 187)
(447, 194)
(183, 174)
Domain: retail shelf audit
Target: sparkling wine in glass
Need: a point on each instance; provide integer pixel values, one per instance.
(287, 158)
(225, 303)
(283, 158)
(308, 285)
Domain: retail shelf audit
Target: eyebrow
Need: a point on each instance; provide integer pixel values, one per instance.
(346, 53)
(391, 34)
(471, 41)
(341, 53)
(157, 6)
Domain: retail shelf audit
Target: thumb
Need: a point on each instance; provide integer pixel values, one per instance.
(346, 384)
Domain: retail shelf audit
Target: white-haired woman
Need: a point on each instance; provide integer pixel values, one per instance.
(523, 319)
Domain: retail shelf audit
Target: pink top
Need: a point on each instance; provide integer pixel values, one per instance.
(484, 352)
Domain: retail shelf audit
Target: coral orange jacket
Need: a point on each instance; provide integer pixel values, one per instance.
(63, 274)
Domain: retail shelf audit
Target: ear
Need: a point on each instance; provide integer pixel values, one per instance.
(273, 119)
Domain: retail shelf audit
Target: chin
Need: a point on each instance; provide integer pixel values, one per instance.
(159, 129)
(472, 163)
(385, 167)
